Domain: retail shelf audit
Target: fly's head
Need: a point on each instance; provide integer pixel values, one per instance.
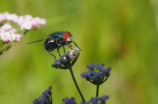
(67, 36)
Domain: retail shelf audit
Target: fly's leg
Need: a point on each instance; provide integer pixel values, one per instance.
(64, 49)
(51, 54)
(58, 52)
(70, 46)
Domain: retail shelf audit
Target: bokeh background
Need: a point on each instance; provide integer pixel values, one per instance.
(122, 34)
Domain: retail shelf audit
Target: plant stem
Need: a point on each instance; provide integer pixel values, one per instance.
(97, 91)
(2, 45)
(73, 77)
(5, 49)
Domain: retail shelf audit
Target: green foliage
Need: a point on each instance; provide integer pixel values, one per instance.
(122, 34)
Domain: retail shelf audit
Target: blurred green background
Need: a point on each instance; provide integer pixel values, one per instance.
(122, 34)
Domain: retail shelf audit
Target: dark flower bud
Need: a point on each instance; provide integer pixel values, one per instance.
(67, 60)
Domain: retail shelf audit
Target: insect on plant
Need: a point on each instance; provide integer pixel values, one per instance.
(57, 40)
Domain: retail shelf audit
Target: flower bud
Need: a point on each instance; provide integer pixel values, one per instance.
(66, 60)
(96, 74)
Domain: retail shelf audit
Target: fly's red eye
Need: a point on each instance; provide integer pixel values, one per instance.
(69, 33)
(65, 35)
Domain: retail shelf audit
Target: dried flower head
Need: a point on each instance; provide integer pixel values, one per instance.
(67, 60)
(96, 74)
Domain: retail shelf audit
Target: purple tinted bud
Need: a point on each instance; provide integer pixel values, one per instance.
(98, 74)
(109, 68)
(35, 101)
(94, 65)
(106, 70)
(69, 100)
(93, 77)
(91, 66)
(84, 102)
(49, 88)
(83, 75)
(93, 100)
(103, 64)
(88, 73)
(99, 67)
(98, 100)
(42, 98)
(73, 100)
(45, 97)
(103, 98)
(47, 91)
(93, 72)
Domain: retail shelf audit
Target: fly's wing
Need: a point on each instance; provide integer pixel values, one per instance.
(56, 34)
(52, 39)
(57, 37)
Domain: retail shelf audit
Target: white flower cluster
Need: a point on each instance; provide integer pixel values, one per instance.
(26, 22)
(7, 33)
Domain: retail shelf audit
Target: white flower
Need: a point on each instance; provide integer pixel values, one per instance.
(3, 16)
(27, 25)
(6, 27)
(6, 37)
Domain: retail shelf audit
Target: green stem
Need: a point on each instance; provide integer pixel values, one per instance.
(97, 91)
(73, 77)
(5, 49)
(51, 100)
(2, 45)
(25, 32)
